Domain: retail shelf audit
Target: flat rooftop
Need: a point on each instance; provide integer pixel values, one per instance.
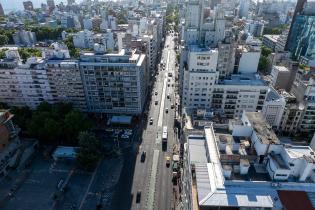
(262, 128)
(197, 150)
(282, 68)
(214, 190)
(273, 38)
(244, 79)
(300, 152)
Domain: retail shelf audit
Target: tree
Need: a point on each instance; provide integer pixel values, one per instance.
(22, 115)
(3, 40)
(8, 33)
(74, 123)
(26, 53)
(90, 150)
(2, 53)
(74, 52)
(265, 51)
(263, 64)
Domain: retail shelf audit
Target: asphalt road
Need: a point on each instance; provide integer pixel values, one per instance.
(157, 185)
(153, 180)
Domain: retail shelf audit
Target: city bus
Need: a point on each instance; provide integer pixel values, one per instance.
(164, 134)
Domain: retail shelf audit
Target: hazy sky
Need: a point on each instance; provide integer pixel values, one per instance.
(9, 5)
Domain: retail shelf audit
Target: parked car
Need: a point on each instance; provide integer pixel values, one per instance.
(125, 136)
(109, 129)
(151, 121)
(143, 156)
(168, 161)
(166, 110)
(138, 197)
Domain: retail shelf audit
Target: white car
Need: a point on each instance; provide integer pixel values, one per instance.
(125, 136)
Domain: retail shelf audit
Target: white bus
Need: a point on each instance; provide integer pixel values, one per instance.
(164, 135)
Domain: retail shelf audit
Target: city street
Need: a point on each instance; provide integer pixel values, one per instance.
(151, 177)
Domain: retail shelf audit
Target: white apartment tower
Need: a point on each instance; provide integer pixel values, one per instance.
(200, 77)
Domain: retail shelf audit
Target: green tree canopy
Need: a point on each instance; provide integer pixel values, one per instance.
(26, 53)
(90, 150)
(263, 64)
(3, 40)
(74, 123)
(265, 51)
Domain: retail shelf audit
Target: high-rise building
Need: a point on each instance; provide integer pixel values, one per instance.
(51, 4)
(114, 83)
(28, 5)
(24, 38)
(244, 8)
(71, 2)
(1, 10)
(65, 81)
(301, 38)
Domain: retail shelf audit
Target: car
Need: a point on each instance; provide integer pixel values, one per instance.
(138, 197)
(125, 136)
(172, 106)
(151, 121)
(155, 93)
(168, 80)
(128, 131)
(143, 156)
(168, 161)
(168, 84)
(168, 96)
(156, 102)
(109, 130)
(166, 110)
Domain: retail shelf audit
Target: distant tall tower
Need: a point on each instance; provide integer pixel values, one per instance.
(28, 5)
(51, 4)
(300, 41)
(71, 2)
(1, 10)
(244, 8)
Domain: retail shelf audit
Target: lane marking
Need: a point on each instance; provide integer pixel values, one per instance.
(151, 194)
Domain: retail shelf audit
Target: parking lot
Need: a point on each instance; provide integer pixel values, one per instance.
(38, 185)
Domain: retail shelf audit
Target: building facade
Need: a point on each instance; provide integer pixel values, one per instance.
(114, 83)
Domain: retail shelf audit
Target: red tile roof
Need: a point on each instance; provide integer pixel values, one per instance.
(295, 200)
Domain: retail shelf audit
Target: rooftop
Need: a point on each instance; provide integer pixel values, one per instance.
(262, 128)
(244, 79)
(273, 95)
(214, 190)
(281, 68)
(197, 151)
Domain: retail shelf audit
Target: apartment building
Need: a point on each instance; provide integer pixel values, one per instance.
(304, 90)
(24, 38)
(24, 84)
(244, 92)
(199, 77)
(280, 76)
(114, 83)
(226, 57)
(247, 58)
(292, 114)
(66, 83)
(273, 107)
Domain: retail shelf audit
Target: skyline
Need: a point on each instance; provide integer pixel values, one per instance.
(15, 5)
